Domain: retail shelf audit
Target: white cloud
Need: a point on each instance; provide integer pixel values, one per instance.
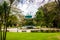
(29, 7)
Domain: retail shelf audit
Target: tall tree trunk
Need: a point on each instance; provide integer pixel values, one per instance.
(4, 31)
(6, 20)
(1, 21)
(5, 27)
(0, 33)
(1, 29)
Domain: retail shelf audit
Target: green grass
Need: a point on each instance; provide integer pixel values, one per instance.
(32, 36)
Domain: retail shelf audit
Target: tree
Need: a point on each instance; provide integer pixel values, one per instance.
(1, 17)
(58, 13)
(13, 20)
(5, 9)
(39, 17)
(52, 14)
(6, 14)
(29, 22)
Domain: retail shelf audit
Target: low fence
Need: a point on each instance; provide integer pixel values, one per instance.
(33, 30)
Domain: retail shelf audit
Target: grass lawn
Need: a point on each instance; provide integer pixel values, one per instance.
(32, 36)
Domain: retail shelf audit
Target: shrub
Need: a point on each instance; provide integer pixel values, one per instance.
(35, 30)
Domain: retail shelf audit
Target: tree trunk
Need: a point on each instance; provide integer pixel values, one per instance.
(1, 28)
(5, 27)
(0, 33)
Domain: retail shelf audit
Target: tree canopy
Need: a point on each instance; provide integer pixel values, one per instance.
(49, 15)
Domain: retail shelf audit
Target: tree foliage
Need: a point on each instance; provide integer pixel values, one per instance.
(5, 19)
(50, 15)
(39, 17)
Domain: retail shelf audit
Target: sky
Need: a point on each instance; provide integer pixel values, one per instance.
(31, 6)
